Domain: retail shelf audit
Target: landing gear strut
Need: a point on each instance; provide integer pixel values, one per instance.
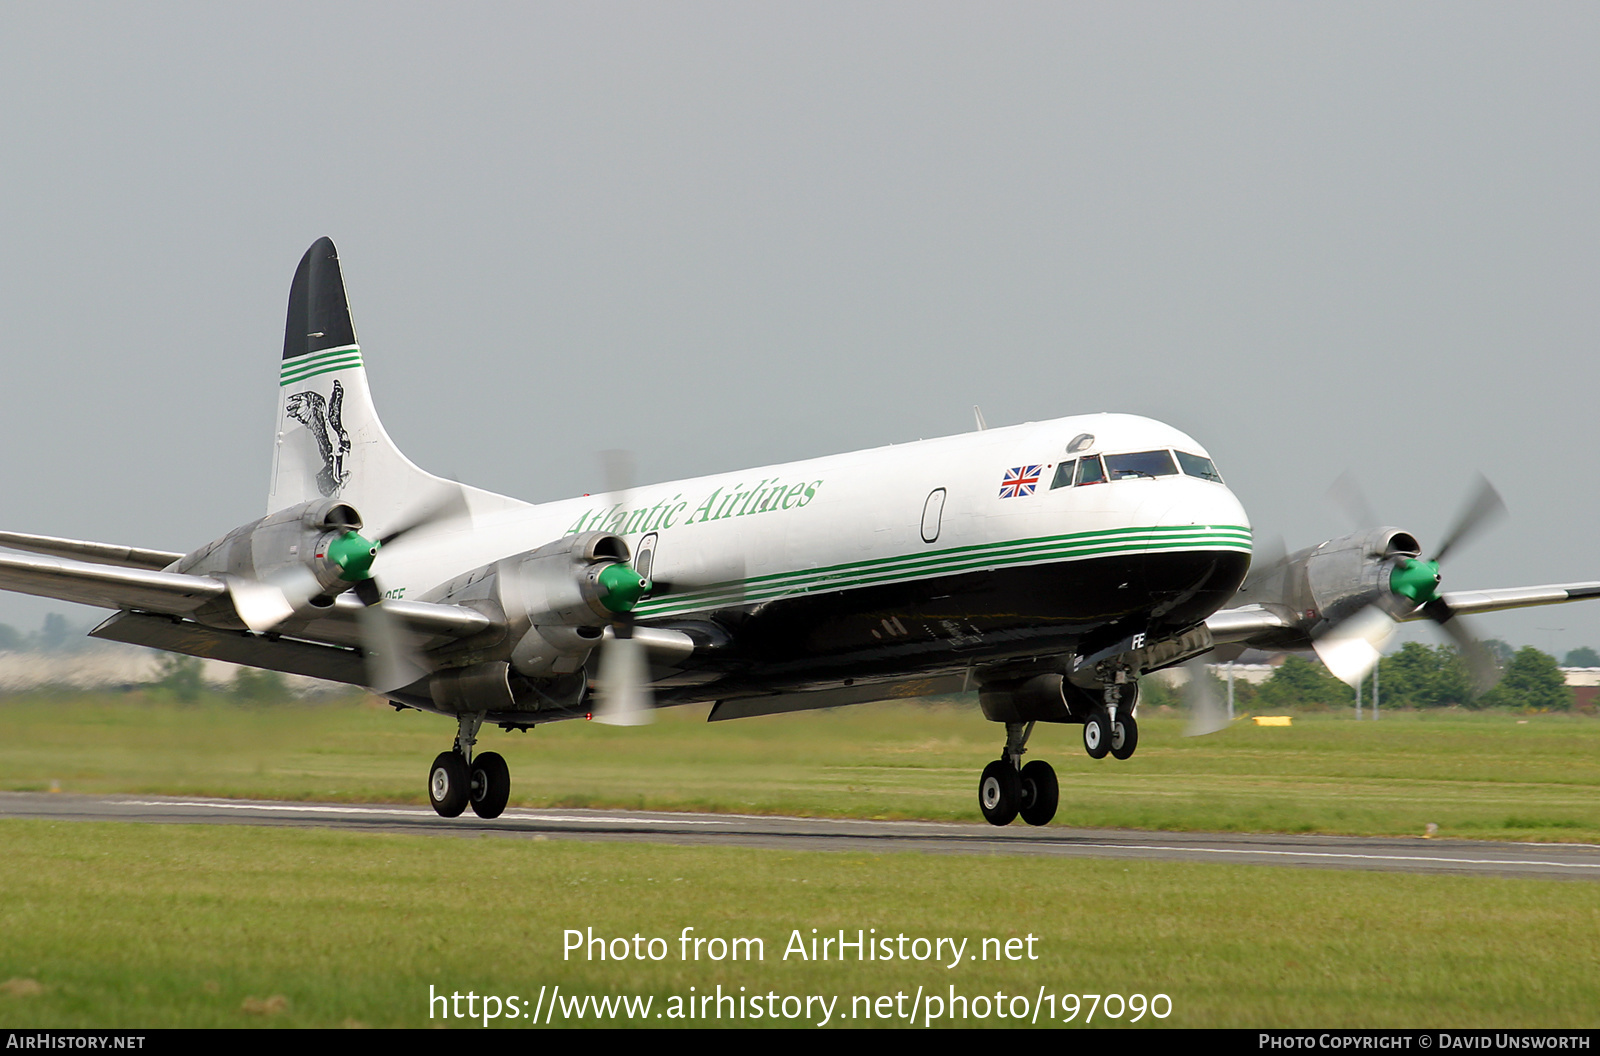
(458, 778)
(1007, 788)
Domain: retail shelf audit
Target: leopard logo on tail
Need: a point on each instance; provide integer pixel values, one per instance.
(309, 409)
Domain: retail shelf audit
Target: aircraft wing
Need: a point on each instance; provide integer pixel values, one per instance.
(108, 586)
(1242, 625)
(1467, 601)
(1274, 626)
(176, 594)
(99, 553)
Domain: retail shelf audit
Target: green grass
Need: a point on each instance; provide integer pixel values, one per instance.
(1487, 775)
(141, 926)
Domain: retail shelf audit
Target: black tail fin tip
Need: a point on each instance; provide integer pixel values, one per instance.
(319, 315)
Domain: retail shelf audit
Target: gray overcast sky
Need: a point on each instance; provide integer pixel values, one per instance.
(1318, 237)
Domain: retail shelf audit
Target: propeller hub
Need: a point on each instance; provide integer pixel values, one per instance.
(354, 556)
(621, 588)
(1415, 580)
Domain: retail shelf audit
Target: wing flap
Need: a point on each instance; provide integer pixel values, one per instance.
(236, 647)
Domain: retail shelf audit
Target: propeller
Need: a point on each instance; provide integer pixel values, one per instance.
(623, 682)
(392, 662)
(1207, 711)
(1352, 647)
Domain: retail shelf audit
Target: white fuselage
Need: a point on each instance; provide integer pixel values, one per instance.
(864, 517)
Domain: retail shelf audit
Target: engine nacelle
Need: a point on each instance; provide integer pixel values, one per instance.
(1346, 574)
(555, 601)
(307, 536)
(1334, 580)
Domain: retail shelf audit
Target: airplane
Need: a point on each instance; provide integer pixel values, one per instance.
(1048, 566)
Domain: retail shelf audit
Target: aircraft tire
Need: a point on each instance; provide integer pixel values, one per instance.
(1097, 734)
(999, 793)
(1124, 736)
(1041, 793)
(491, 785)
(448, 784)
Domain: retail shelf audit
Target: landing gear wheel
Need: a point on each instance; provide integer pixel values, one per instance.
(999, 792)
(491, 784)
(1040, 793)
(1124, 736)
(1097, 734)
(448, 784)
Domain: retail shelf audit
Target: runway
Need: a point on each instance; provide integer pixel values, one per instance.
(1414, 855)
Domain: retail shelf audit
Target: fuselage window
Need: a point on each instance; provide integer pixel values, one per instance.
(1063, 478)
(1141, 464)
(1090, 471)
(1199, 466)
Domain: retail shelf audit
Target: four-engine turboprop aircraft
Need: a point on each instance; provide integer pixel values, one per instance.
(1049, 566)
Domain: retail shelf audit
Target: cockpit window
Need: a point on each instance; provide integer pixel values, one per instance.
(1141, 464)
(1198, 466)
(1063, 478)
(1090, 471)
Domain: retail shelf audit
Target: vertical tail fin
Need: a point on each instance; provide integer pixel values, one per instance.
(329, 441)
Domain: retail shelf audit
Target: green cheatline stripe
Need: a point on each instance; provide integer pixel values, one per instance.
(309, 366)
(859, 575)
(1224, 535)
(963, 557)
(677, 606)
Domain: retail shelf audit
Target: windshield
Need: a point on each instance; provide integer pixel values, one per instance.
(1140, 464)
(1198, 466)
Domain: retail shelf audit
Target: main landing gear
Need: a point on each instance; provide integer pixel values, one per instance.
(458, 778)
(1008, 788)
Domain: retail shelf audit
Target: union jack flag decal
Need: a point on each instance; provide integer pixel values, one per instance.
(1019, 481)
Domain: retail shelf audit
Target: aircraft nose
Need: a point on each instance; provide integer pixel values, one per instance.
(1183, 501)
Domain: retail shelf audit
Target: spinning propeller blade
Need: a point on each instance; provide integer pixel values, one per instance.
(264, 603)
(1207, 712)
(623, 683)
(1352, 647)
(392, 662)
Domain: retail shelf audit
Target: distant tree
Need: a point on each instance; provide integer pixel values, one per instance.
(1155, 693)
(1532, 681)
(1501, 651)
(1303, 684)
(11, 640)
(253, 686)
(1422, 677)
(181, 677)
(1583, 656)
(54, 634)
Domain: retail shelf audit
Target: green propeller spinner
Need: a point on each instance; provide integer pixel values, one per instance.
(354, 556)
(1415, 580)
(621, 588)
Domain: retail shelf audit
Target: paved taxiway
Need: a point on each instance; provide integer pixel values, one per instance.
(1546, 860)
